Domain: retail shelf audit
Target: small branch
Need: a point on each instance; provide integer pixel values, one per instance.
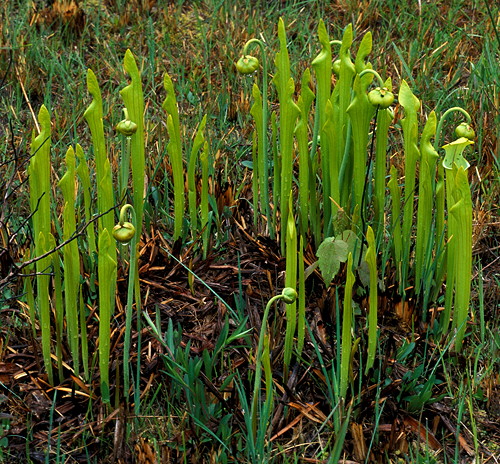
(78, 233)
(16, 272)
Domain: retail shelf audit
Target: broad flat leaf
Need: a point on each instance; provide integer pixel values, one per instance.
(331, 253)
(350, 238)
(364, 274)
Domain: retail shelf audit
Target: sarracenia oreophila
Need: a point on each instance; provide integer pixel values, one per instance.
(323, 137)
(340, 176)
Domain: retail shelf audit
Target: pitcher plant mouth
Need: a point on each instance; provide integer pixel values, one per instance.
(454, 153)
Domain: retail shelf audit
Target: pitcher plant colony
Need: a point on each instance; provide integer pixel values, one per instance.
(322, 179)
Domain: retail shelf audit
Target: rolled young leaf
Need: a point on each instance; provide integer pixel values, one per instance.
(198, 142)
(105, 198)
(94, 117)
(71, 256)
(175, 153)
(341, 99)
(204, 198)
(322, 66)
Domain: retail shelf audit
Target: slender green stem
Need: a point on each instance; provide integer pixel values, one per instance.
(371, 259)
(289, 296)
(383, 121)
(255, 178)
(125, 161)
(124, 167)
(396, 219)
(290, 282)
(363, 196)
(443, 119)
(301, 323)
(130, 300)
(375, 73)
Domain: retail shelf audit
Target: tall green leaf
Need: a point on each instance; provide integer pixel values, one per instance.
(134, 101)
(175, 153)
(39, 181)
(71, 258)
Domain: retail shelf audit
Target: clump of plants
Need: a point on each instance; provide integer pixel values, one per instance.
(323, 179)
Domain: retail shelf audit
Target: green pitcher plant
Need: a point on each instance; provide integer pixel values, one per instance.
(134, 102)
(425, 225)
(71, 258)
(40, 200)
(175, 153)
(327, 178)
(459, 247)
(289, 112)
(107, 268)
(249, 64)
